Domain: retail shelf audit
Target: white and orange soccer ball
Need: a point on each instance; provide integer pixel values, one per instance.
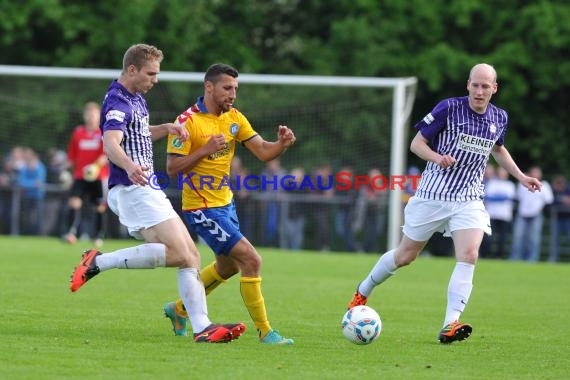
(361, 325)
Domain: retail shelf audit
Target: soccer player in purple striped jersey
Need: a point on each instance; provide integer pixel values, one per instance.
(146, 212)
(456, 139)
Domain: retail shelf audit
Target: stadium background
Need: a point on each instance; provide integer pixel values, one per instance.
(435, 42)
(339, 128)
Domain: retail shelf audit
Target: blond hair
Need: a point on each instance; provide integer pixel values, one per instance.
(138, 55)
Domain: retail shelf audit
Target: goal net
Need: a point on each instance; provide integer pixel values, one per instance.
(342, 124)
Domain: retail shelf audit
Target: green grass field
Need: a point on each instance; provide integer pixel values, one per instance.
(113, 328)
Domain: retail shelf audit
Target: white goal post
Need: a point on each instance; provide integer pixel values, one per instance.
(404, 90)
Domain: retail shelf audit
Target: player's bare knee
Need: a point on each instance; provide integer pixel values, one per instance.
(173, 259)
(250, 264)
(254, 261)
(403, 261)
(182, 257)
(404, 257)
(186, 262)
(227, 270)
(183, 261)
(470, 256)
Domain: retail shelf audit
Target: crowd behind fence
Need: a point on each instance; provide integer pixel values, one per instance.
(320, 219)
(322, 230)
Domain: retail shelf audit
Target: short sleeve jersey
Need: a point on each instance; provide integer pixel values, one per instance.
(84, 148)
(126, 112)
(453, 128)
(208, 183)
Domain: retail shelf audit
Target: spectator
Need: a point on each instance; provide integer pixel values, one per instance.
(90, 175)
(344, 217)
(4, 179)
(56, 166)
(370, 211)
(5, 186)
(56, 160)
(561, 192)
(323, 183)
(271, 176)
(485, 247)
(411, 183)
(30, 182)
(527, 233)
(489, 174)
(499, 199)
(295, 220)
(245, 206)
(15, 161)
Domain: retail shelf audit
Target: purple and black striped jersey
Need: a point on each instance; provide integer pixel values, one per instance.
(123, 111)
(453, 128)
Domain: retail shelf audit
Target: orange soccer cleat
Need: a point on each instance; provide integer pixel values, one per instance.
(357, 300)
(455, 331)
(86, 269)
(218, 333)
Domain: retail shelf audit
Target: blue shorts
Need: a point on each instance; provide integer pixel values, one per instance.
(218, 226)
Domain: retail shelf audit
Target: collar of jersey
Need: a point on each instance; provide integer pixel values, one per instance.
(201, 105)
(123, 89)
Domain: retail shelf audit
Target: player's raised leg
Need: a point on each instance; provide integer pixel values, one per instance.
(385, 267)
(182, 252)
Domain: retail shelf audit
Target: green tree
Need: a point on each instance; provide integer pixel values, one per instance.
(436, 41)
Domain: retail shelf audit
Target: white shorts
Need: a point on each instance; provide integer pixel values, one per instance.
(140, 207)
(423, 217)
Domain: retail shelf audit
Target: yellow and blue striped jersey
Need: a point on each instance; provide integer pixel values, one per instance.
(208, 183)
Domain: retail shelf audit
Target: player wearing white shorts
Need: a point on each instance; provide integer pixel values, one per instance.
(146, 212)
(456, 139)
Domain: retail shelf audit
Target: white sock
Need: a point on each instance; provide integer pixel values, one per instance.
(458, 291)
(384, 268)
(144, 256)
(193, 295)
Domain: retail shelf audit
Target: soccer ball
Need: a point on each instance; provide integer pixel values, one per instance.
(361, 325)
(91, 172)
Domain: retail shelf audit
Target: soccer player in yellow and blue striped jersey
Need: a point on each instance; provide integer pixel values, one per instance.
(202, 165)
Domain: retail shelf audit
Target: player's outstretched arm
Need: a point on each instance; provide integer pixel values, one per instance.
(504, 158)
(266, 150)
(160, 131)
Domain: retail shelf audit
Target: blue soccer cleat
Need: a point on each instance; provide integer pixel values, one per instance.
(273, 337)
(178, 321)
